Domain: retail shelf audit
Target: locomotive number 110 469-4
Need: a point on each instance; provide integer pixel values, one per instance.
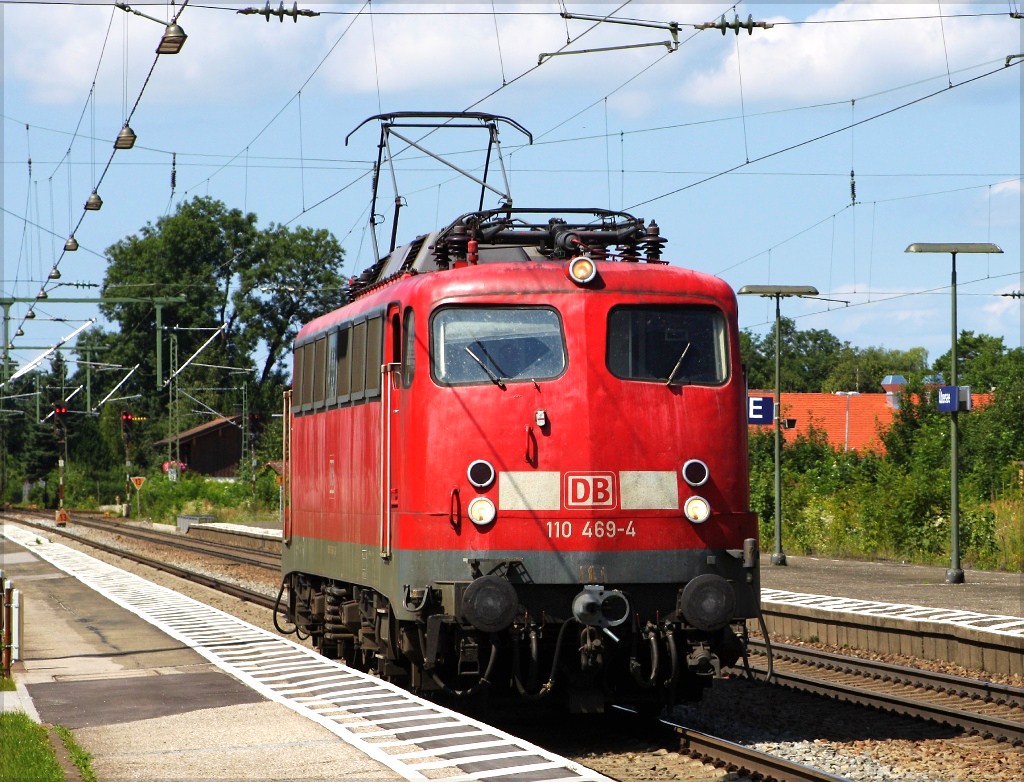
(590, 529)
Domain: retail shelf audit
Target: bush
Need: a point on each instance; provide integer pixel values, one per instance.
(872, 506)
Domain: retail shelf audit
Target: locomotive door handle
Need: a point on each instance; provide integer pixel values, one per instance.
(531, 446)
(455, 511)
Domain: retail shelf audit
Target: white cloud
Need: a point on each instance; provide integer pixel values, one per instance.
(825, 62)
(1012, 189)
(460, 49)
(1003, 315)
(52, 52)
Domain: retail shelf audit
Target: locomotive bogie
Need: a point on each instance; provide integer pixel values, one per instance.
(454, 648)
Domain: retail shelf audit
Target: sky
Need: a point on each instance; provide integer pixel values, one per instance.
(811, 152)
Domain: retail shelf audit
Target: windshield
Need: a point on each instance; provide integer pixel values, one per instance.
(496, 345)
(668, 344)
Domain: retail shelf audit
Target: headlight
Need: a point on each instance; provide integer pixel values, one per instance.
(480, 473)
(697, 509)
(582, 270)
(481, 511)
(695, 472)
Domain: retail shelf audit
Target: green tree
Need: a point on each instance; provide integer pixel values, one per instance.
(256, 286)
(862, 369)
(984, 361)
(197, 252)
(294, 276)
(993, 434)
(806, 357)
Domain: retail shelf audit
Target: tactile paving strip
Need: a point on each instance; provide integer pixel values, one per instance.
(412, 736)
(1012, 626)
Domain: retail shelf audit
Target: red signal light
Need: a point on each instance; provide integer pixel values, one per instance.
(126, 416)
(60, 409)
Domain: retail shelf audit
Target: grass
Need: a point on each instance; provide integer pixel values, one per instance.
(25, 751)
(81, 758)
(6, 684)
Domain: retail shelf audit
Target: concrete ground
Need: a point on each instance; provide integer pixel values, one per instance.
(148, 708)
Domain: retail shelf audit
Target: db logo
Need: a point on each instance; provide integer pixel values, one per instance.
(590, 490)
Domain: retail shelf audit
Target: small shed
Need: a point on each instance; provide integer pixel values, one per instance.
(212, 448)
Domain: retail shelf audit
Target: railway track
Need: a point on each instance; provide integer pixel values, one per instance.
(225, 586)
(744, 760)
(224, 551)
(989, 710)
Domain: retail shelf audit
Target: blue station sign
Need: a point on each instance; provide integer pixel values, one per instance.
(760, 410)
(953, 398)
(948, 397)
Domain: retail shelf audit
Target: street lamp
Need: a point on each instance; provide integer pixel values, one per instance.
(171, 41)
(778, 292)
(955, 574)
(846, 435)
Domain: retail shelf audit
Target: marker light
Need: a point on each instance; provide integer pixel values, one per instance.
(697, 509)
(480, 473)
(695, 472)
(481, 511)
(582, 270)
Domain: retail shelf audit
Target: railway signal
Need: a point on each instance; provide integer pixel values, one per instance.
(126, 426)
(60, 412)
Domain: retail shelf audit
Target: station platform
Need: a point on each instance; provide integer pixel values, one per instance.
(145, 705)
(895, 609)
(983, 591)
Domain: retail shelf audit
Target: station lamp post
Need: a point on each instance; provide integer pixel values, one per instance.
(846, 434)
(778, 292)
(955, 574)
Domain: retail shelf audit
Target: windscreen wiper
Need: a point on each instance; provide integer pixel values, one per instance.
(679, 363)
(490, 373)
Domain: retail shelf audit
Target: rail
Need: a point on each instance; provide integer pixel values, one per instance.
(939, 698)
(226, 551)
(221, 585)
(975, 689)
(742, 759)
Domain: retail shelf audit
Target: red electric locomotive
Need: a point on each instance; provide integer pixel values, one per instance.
(518, 460)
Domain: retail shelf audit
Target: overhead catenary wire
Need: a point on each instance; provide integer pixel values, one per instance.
(306, 162)
(743, 107)
(945, 48)
(842, 209)
(91, 102)
(280, 111)
(505, 83)
(539, 140)
(940, 290)
(497, 39)
(822, 136)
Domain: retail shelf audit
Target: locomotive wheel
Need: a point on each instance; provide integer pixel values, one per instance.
(328, 649)
(347, 652)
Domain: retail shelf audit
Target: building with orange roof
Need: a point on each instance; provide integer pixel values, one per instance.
(850, 421)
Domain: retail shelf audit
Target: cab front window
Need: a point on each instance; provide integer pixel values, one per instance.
(671, 344)
(473, 345)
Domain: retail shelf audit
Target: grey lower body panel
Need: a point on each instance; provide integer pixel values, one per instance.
(545, 580)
